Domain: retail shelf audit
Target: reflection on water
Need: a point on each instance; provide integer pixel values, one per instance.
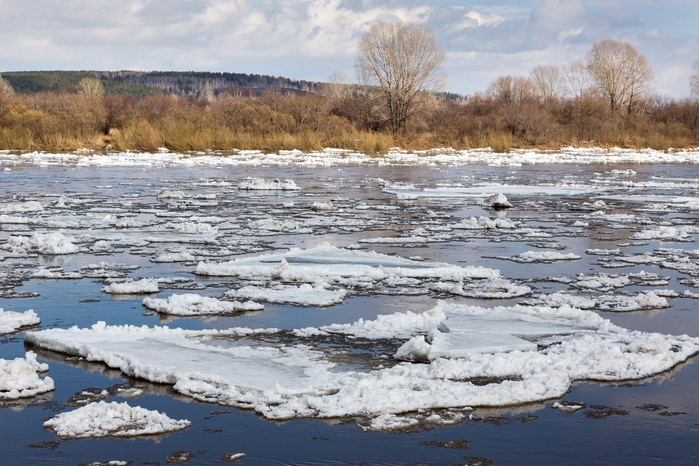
(361, 210)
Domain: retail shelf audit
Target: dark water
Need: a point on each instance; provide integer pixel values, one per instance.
(613, 429)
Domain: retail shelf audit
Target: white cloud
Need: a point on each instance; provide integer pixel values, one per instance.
(307, 39)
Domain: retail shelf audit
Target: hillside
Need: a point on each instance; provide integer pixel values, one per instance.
(141, 83)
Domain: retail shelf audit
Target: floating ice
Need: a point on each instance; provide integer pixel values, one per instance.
(144, 285)
(327, 262)
(294, 381)
(19, 378)
(44, 243)
(260, 184)
(165, 193)
(497, 201)
(114, 419)
(183, 256)
(28, 206)
(492, 192)
(663, 233)
(542, 257)
(302, 295)
(484, 223)
(190, 304)
(13, 321)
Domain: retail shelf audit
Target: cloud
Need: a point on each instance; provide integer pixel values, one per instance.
(307, 39)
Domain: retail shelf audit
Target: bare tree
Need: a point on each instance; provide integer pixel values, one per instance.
(337, 85)
(511, 89)
(620, 72)
(549, 82)
(91, 87)
(694, 80)
(404, 61)
(6, 88)
(579, 79)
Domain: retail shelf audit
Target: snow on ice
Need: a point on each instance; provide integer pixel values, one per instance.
(12, 321)
(532, 353)
(19, 378)
(103, 419)
(190, 304)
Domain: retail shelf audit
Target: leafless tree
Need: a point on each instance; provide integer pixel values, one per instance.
(694, 80)
(91, 87)
(511, 89)
(549, 82)
(579, 79)
(337, 85)
(620, 72)
(404, 61)
(6, 88)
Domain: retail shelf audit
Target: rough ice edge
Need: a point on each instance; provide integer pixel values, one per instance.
(12, 321)
(103, 419)
(19, 378)
(190, 304)
(302, 295)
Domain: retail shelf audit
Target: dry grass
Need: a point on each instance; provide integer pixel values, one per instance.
(63, 122)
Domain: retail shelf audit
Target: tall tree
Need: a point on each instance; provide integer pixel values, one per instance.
(404, 61)
(579, 80)
(6, 88)
(511, 89)
(549, 82)
(694, 80)
(620, 72)
(91, 87)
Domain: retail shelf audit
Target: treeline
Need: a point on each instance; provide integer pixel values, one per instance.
(142, 83)
(510, 115)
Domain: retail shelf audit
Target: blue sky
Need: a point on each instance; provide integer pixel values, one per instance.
(309, 39)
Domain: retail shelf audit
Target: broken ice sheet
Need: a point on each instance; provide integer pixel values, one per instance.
(289, 381)
(330, 263)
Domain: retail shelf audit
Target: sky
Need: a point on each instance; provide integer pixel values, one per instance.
(309, 39)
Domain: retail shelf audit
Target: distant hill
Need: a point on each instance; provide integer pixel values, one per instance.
(189, 83)
(141, 83)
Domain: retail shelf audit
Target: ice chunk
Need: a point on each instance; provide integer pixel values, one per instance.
(190, 304)
(144, 285)
(13, 321)
(28, 206)
(261, 184)
(104, 419)
(183, 256)
(542, 257)
(165, 193)
(302, 295)
(326, 262)
(19, 378)
(497, 201)
(45, 243)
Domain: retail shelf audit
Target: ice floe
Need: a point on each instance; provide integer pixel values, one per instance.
(260, 184)
(530, 353)
(103, 419)
(19, 378)
(190, 304)
(44, 243)
(13, 321)
(544, 257)
(302, 295)
(144, 285)
(327, 262)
